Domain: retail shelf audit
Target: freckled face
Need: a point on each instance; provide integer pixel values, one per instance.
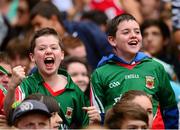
(47, 54)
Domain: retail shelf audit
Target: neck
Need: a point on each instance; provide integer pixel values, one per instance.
(50, 77)
(126, 57)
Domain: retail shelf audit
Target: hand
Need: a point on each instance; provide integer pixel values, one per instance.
(18, 73)
(94, 116)
(3, 122)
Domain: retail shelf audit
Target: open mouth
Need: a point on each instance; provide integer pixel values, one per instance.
(133, 43)
(49, 61)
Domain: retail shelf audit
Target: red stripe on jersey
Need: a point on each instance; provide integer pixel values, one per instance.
(158, 120)
(90, 96)
(48, 87)
(18, 94)
(128, 66)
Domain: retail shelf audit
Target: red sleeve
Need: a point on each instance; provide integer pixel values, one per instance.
(1, 102)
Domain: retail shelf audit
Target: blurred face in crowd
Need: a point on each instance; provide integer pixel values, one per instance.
(79, 74)
(47, 54)
(79, 51)
(145, 103)
(133, 124)
(153, 41)
(128, 40)
(39, 22)
(22, 13)
(34, 121)
(55, 120)
(4, 78)
(24, 61)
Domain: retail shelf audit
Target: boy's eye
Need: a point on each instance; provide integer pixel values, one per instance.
(137, 32)
(41, 49)
(54, 48)
(125, 32)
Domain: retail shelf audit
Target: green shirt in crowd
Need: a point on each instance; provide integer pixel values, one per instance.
(71, 99)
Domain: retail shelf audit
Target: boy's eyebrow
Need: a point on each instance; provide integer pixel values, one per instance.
(126, 29)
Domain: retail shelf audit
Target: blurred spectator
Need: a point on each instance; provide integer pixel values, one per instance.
(176, 22)
(18, 53)
(111, 8)
(144, 100)
(3, 89)
(73, 46)
(52, 106)
(166, 13)
(79, 71)
(9, 9)
(80, 74)
(71, 9)
(5, 75)
(133, 7)
(126, 115)
(157, 42)
(99, 17)
(4, 31)
(6, 69)
(45, 14)
(21, 25)
(31, 114)
(150, 9)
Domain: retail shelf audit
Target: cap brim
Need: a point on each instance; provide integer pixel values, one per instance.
(19, 115)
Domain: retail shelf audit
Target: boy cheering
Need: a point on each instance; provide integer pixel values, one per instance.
(128, 69)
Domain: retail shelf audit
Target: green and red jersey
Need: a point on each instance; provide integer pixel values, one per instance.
(114, 78)
(71, 99)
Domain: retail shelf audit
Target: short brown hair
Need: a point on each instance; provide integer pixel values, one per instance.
(113, 24)
(131, 94)
(44, 32)
(124, 110)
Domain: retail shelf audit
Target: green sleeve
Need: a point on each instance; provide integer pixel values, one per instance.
(166, 93)
(81, 115)
(98, 93)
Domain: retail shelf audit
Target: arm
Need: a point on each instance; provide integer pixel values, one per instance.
(167, 102)
(97, 95)
(133, 7)
(18, 74)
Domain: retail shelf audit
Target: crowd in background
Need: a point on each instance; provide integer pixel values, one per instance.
(82, 27)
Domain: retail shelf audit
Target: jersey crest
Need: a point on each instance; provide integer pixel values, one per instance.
(150, 82)
(69, 112)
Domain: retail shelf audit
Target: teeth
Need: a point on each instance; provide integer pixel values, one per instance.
(133, 42)
(49, 58)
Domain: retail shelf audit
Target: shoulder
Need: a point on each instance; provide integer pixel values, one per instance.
(32, 80)
(152, 63)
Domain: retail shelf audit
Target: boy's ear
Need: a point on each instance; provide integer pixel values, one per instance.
(62, 55)
(31, 57)
(111, 40)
